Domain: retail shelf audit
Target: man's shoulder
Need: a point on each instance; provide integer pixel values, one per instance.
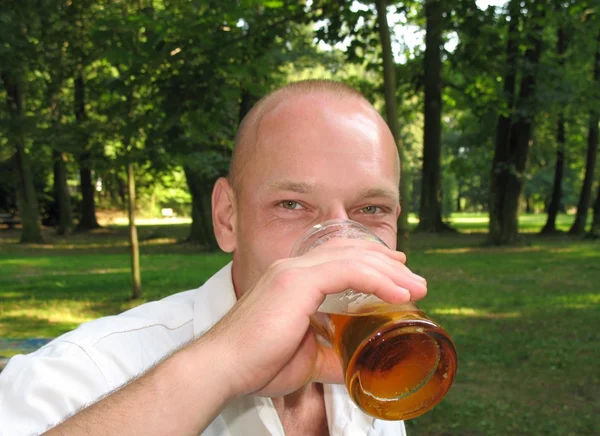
(124, 345)
(169, 315)
(176, 318)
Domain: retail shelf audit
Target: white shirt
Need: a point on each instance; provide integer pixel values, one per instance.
(40, 389)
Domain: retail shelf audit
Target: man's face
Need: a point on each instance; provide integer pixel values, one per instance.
(316, 158)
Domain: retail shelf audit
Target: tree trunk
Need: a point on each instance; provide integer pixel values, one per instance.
(585, 197)
(206, 212)
(595, 230)
(26, 198)
(554, 205)
(528, 204)
(197, 234)
(430, 214)
(88, 219)
(133, 237)
(61, 194)
(503, 128)
(25, 191)
(247, 101)
(121, 189)
(201, 230)
(391, 112)
(514, 131)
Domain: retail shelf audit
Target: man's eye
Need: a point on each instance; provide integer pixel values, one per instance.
(290, 205)
(371, 210)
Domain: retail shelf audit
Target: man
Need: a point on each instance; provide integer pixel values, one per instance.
(247, 361)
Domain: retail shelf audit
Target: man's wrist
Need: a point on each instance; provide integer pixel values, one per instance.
(209, 360)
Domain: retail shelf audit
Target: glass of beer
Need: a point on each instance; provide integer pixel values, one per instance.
(398, 363)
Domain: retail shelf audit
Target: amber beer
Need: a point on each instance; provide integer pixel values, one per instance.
(398, 364)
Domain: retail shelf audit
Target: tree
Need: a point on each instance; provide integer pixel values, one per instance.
(124, 32)
(514, 128)
(595, 229)
(57, 31)
(19, 31)
(231, 55)
(585, 197)
(430, 215)
(134, 246)
(200, 184)
(554, 206)
(87, 219)
(61, 193)
(391, 111)
(26, 197)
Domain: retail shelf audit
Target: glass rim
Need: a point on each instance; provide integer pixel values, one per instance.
(328, 224)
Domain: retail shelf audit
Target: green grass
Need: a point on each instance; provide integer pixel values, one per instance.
(528, 223)
(46, 290)
(524, 319)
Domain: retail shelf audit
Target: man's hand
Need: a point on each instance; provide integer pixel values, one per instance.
(269, 348)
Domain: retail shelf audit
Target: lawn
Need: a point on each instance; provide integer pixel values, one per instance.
(525, 319)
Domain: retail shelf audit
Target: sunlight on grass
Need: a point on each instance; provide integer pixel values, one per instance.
(9, 352)
(159, 241)
(57, 314)
(62, 245)
(470, 220)
(124, 221)
(581, 251)
(463, 250)
(7, 295)
(27, 261)
(470, 312)
(580, 301)
(460, 250)
(99, 271)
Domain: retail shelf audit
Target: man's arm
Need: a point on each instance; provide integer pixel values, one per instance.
(179, 396)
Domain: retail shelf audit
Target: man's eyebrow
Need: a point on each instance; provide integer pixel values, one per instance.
(379, 193)
(288, 185)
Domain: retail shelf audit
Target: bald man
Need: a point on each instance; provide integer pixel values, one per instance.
(237, 356)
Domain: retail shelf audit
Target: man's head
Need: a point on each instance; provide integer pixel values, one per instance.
(306, 153)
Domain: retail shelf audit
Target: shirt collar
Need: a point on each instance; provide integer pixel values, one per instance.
(343, 416)
(213, 300)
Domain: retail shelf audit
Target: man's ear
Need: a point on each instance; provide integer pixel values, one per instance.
(223, 215)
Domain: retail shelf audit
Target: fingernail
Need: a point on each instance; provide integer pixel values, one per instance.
(406, 293)
(419, 278)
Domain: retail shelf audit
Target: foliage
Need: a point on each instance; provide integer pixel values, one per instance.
(166, 82)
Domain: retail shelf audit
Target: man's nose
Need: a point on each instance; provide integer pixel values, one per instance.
(338, 213)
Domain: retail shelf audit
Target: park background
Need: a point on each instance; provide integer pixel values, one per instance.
(118, 116)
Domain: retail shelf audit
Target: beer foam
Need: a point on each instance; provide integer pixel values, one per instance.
(349, 302)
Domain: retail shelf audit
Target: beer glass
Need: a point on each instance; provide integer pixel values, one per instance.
(398, 363)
